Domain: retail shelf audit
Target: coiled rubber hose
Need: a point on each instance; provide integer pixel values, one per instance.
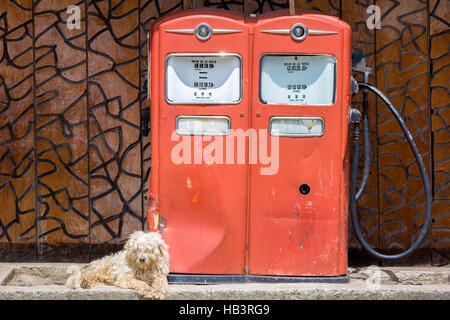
(367, 148)
(354, 175)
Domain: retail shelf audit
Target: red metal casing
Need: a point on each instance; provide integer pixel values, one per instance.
(291, 233)
(203, 207)
(228, 218)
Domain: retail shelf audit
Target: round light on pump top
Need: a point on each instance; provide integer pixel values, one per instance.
(299, 32)
(203, 31)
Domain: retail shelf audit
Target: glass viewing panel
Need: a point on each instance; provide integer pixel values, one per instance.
(296, 126)
(297, 79)
(203, 79)
(203, 125)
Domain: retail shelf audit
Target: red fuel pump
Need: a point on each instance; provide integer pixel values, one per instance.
(298, 216)
(200, 65)
(250, 145)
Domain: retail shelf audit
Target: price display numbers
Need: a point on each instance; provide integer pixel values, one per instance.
(298, 79)
(206, 79)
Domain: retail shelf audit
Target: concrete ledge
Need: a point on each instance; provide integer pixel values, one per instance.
(6, 272)
(320, 291)
(44, 281)
(63, 293)
(250, 291)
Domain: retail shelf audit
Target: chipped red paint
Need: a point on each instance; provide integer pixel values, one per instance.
(230, 219)
(309, 237)
(204, 206)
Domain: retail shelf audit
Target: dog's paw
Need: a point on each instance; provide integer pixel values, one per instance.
(72, 283)
(85, 284)
(153, 295)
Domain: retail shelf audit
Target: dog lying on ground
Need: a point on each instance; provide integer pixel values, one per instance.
(142, 266)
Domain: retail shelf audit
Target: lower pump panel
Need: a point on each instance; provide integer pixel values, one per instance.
(177, 278)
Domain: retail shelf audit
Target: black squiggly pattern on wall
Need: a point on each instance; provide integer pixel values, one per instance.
(402, 72)
(17, 126)
(114, 120)
(61, 132)
(439, 74)
(149, 11)
(363, 44)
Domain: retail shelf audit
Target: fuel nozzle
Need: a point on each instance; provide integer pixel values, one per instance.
(354, 116)
(359, 64)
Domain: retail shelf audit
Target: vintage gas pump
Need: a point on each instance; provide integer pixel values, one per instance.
(200, 64)
(298, 216)
(250, 146)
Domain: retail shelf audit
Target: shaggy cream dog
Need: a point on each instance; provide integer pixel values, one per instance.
(142, 266)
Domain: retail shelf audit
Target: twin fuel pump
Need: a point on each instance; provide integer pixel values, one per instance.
(250, 143)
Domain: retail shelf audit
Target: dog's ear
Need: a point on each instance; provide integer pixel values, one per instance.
(133, 237)
(162, 247)
(130, 239)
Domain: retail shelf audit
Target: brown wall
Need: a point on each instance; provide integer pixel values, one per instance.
(74, 166)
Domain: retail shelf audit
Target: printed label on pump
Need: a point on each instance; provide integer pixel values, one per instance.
(203, 79)
(298, 79)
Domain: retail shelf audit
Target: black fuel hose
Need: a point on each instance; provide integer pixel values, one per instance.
(354, 175)
(367, 146)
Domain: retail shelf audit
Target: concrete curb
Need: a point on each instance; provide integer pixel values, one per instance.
(405, 275)
(63, 293)
(44, 281)
(320, 291)
(6, 272)
(250, 291)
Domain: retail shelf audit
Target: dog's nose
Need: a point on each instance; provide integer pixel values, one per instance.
(141, 259)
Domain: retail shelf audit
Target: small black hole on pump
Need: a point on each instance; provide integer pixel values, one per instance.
(304, 189)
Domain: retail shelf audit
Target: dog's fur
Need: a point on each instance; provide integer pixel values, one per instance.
(142, 266)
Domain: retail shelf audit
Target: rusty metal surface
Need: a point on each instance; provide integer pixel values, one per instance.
(17, 133)
(61, 132)
(363, 42)
(439, 12)
(291, 233)
(114, 120)
(206, 224)
(402, 72)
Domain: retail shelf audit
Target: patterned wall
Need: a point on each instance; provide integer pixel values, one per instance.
(17, 132)
(74, 144)
(439, 68)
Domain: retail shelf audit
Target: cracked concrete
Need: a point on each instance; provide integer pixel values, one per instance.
(45, 281)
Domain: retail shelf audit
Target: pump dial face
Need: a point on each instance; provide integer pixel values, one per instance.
(203, 79)
(298, 79)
